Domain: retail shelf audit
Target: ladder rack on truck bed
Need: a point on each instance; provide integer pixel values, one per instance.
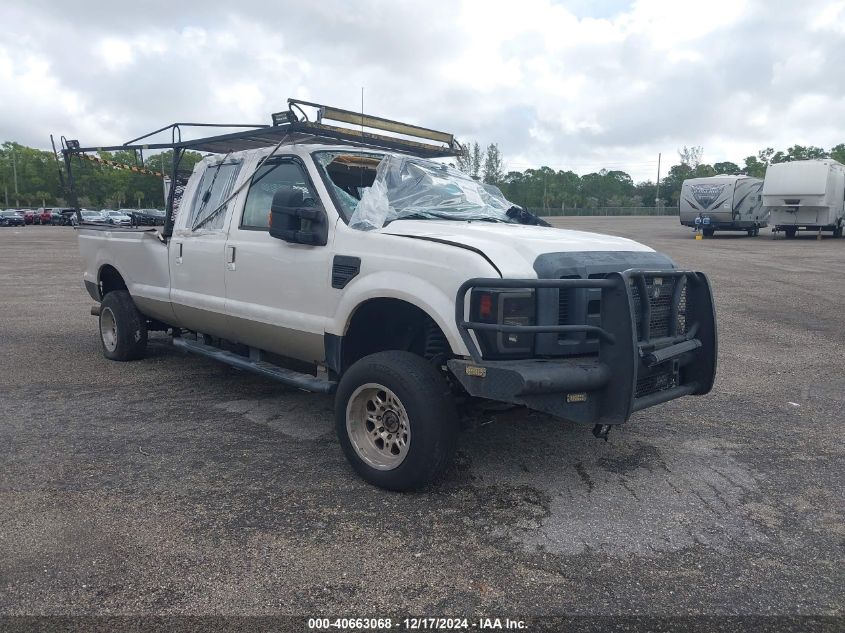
(287, 127)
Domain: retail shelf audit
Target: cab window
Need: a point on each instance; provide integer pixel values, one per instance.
(265, 183)
(214, 188)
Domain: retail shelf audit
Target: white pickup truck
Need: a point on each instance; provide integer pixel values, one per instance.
(418, 295)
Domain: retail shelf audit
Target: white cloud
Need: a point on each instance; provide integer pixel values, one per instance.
(575, 85)
(115, 53)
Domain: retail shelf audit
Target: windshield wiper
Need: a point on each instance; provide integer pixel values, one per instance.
(488, 219)
(446, 216)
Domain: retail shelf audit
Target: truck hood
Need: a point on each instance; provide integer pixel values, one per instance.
(512, 248)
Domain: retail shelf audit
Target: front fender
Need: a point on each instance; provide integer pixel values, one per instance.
(431, 299)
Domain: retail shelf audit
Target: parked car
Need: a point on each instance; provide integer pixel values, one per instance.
(62, 216)
(92, 216)
(407, 289)
(29, 216)
(12, 217)
(117, 217)
(44, 215)
(148, 217)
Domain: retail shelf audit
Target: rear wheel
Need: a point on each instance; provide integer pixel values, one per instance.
(837, 232)
(123, 330)
(396, 420)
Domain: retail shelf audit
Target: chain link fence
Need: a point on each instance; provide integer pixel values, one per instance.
(607, 211)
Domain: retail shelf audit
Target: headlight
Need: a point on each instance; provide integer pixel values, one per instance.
(508, 307)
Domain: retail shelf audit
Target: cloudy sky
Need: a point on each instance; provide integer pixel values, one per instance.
(573, 84)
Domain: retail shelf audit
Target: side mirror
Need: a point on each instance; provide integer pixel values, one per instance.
(292, 221)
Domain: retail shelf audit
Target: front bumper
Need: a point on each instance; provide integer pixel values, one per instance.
(649, 351)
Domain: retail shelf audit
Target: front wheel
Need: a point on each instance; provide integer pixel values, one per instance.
(790, 233)
(396, 420)
(123, 329)
(709, 232)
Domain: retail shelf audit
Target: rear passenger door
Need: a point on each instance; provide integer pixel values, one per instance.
(278, 293)
(197, 283)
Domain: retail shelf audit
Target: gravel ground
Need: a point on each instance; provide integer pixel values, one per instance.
(176, 485)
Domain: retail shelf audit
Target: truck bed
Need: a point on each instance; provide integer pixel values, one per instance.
(139, 257)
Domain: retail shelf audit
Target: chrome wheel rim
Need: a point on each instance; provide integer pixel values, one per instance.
(108, 329)
(378, 427)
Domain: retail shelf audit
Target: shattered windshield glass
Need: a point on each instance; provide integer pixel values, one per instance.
(349, 174)
(404, 187)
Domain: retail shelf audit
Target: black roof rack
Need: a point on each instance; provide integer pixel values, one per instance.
(288, 128)
(292, 128)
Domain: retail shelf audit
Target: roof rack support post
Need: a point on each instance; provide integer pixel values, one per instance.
(58, 165)
(71, 185)
(167, 230)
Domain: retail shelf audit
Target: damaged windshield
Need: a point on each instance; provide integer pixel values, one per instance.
(375, 189)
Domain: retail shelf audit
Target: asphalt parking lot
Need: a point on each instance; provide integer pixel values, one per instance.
(176, 485)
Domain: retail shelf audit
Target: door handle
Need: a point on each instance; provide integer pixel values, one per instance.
(230, 257)
(178, 252)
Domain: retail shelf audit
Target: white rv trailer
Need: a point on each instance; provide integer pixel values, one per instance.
(806, 195)
(723, 203)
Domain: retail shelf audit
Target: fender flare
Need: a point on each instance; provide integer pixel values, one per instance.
(438, 305)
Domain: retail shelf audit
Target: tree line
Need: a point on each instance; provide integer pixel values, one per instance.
(557, 190)
(30, 178)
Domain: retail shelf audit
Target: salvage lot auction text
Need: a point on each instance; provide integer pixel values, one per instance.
(414, 624)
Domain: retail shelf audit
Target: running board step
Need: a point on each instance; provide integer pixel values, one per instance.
(289, 377)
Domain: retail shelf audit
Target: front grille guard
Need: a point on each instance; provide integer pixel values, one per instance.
(626, 343)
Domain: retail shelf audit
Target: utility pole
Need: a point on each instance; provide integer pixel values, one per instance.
(15, 176)
(657, 195)
(544, 194)
(6, 188)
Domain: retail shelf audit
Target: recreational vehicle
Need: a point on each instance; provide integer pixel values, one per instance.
(806, 195)
(723, 203)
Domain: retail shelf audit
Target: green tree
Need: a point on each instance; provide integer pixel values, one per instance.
(463, 160)
(726, 167)
(646, 193)
(754, 167)
(41, 197)
(704, 171)
(493, 167)
(837, 152)
(475, 161)
(670, 187)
